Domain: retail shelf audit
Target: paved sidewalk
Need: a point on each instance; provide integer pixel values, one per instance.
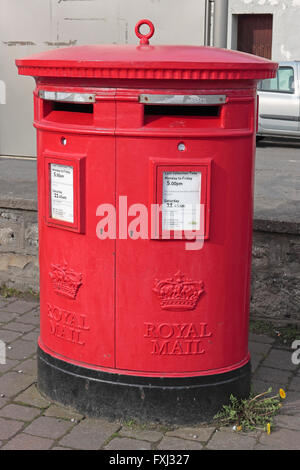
(28, 421)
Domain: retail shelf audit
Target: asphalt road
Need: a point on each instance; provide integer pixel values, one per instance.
(277, 180)
(18, 179)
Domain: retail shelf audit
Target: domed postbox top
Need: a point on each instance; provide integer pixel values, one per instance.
(145, 61)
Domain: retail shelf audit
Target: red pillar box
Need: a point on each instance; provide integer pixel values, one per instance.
(145, 191)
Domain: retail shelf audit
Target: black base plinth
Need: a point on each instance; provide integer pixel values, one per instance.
(187, 400)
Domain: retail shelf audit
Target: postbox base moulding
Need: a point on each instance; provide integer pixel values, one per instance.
(164, 400)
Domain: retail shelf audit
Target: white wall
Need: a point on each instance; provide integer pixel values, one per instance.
(29, 26)
(286, 21)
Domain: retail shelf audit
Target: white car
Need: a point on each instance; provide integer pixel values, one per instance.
(279, 102)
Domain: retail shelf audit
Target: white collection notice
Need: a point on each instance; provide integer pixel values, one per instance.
(62, 192)
(181, 200)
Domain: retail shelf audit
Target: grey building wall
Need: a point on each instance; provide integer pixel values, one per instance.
(30, 26)
(286, 20)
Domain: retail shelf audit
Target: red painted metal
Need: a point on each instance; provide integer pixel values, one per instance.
(134, 305)
(151, 63)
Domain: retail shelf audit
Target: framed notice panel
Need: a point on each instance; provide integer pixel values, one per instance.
(64, 177)
(62, 192)
(180, 199)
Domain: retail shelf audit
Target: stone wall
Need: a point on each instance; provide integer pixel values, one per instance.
(275, 268)
(275, 290)
(19, 249)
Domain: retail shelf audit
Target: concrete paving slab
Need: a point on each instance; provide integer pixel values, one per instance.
(30, 421)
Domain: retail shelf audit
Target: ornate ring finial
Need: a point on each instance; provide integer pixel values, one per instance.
(144, 38)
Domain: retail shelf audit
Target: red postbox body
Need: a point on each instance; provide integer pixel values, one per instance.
(145, 192)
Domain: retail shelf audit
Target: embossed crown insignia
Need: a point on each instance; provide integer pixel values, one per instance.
(65, 280)
(178, 292)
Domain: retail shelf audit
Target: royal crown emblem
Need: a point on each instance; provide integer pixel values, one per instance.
(178, 292)
(65, 281)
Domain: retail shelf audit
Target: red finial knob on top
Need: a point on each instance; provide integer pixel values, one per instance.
(144, 38)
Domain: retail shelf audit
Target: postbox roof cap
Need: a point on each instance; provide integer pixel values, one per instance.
(145, 61)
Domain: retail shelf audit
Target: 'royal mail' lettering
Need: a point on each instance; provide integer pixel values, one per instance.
(176, 338)
(68, 326)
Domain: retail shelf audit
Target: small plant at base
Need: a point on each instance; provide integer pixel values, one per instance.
(256, 412)
(282, 333)
(7, 292)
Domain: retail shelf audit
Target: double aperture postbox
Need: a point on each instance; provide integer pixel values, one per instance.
(145, 192)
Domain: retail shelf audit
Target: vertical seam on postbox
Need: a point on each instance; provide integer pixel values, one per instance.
(115, 245)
